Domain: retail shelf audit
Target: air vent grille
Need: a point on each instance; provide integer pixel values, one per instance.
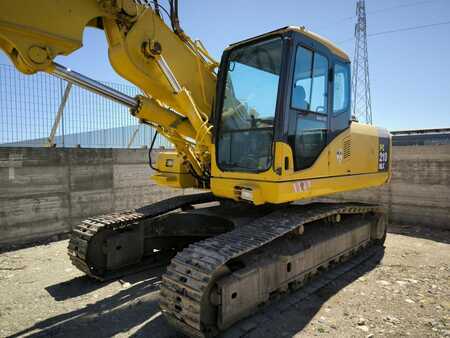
(347, 147)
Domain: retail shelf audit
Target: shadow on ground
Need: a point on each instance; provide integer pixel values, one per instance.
(74, 288)
(283, 317)
(44, 241)
(441, 235)
(138, 305)
(82, 285)
(107, 317)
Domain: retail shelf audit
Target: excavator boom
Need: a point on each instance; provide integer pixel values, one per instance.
(176, 74)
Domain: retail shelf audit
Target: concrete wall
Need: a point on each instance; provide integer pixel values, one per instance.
(419, 192)
(43, 192)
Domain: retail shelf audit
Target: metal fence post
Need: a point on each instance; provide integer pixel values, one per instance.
(51, 138)
(133, 136)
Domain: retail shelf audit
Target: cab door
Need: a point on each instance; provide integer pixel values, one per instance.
(318, 100)
(309, 102)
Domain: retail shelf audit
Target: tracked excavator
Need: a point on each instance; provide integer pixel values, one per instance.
(267, 126)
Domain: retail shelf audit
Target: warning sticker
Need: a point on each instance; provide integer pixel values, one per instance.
(302, 186)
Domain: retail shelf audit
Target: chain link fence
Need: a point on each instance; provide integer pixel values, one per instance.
(42, 110)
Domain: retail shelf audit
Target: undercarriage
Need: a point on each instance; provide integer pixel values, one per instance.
(226, 259)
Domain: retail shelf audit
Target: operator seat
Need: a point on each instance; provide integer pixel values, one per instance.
(298, 98)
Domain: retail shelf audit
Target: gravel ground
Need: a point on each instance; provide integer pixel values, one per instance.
(407, 294)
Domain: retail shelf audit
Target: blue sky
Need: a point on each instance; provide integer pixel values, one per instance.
(409, 71)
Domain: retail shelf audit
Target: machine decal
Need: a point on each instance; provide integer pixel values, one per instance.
(383, 150)
(339, 155)
(302, 186)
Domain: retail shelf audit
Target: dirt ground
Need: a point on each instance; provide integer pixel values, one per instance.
(407, 294)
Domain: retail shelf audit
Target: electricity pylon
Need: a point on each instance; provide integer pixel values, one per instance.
(362, 107)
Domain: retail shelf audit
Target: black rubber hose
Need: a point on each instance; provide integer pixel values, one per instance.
(150, 153)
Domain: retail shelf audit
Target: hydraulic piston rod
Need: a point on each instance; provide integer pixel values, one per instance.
(94, 86)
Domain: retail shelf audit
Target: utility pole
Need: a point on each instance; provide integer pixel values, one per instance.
(362, 106)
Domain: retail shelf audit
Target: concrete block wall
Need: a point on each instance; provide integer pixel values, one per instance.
(44, 192)
(419, 192)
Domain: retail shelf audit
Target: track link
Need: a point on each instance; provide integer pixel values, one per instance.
(372, 255)
(83, 235)
(190, 278)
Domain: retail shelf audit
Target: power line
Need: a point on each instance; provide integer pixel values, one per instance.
(348, 18)
(410, 28)
(400, 6)
(392, 31)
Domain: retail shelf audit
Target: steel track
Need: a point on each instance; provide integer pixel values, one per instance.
(186, 286)
(83, 235)
(373, 254)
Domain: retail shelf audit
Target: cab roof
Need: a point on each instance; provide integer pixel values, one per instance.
(302, 30)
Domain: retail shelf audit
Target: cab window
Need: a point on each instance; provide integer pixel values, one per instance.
(310, 81)
(341, 88)
(309, 101)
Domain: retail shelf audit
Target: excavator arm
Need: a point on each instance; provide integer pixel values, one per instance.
(176, 74)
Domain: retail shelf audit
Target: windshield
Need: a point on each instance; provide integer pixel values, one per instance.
(245, 131)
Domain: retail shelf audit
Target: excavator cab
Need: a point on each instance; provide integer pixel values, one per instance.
(285, 87)
(283, 114)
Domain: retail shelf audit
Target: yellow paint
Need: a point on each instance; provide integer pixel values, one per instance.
(326, 176)
(55, 26)
(283, 192)
(172, 171)
(34, 33)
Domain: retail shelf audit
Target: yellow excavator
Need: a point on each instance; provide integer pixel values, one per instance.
(269, 125)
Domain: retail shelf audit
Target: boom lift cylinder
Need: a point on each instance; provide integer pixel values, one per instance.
(94, 86)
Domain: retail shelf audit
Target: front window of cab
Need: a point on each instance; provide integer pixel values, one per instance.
(246, 125)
